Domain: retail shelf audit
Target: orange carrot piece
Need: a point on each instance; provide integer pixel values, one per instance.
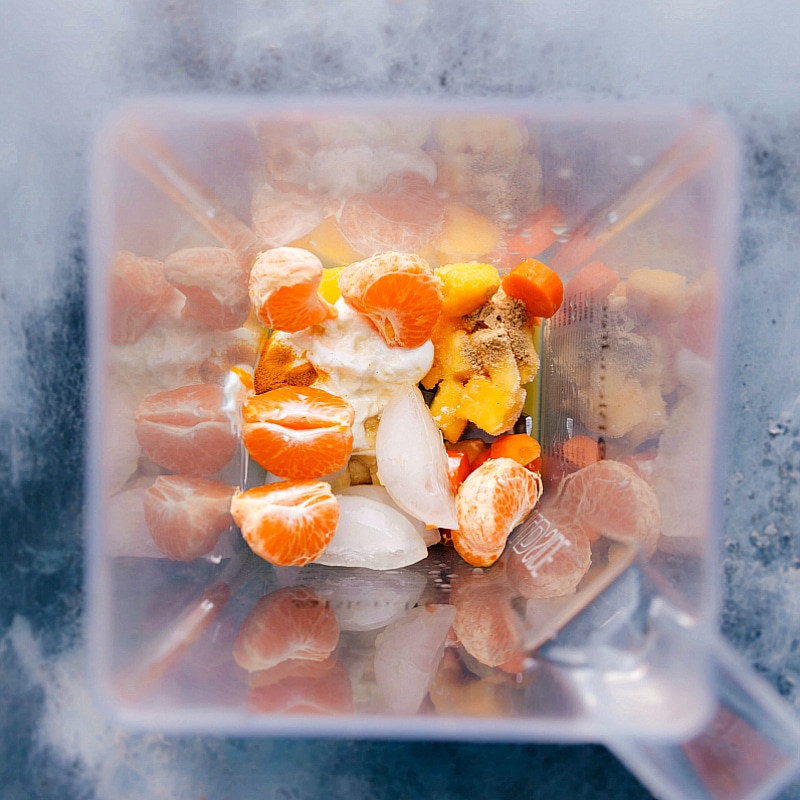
(458, 468)
(472, 447)
(518, 446)
(581, 451)
(484, 455)
(537, 286)
(595, 279)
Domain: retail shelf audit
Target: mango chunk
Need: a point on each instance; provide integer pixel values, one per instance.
(466, 287)
(491, 408)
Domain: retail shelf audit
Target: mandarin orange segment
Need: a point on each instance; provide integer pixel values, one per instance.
(283, 288)
(186, 515)
(549, 558)
(137, 290)
(289, 523)
(398, 293)
(492, 501)
(298, 431)
(214, 282)
(290, 623)
(485, 620)
(185, 430)
(405, 215)
(331, 693)
(611, 499)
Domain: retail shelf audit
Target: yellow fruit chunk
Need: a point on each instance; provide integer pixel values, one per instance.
(329, 288)
(492, 408)
(656, 293)
(449, 353)
(466, 287)
(465, 234)
(327, 242)
(445, 409)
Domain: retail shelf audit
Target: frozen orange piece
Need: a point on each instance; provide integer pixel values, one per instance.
(290, 623)
(283, 288)
(298, 431)
(214, 282)
(137, 291)
(609, 498)
(492, 501)
(548, 556)
(185, 430)
(594, 280)
(186, 515)
(398, 293)
(288, 523)
(331, 693)
(404, 216)
(537, 286)
(465, 287)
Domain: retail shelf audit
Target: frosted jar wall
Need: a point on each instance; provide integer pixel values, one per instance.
(646, 191)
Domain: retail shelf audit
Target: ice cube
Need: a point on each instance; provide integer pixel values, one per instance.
(379, 493)
(407, 655)
(373, 535)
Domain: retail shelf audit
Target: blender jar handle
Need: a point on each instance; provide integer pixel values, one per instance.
(748, 750)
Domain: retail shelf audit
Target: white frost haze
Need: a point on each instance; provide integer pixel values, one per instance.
(62, 66)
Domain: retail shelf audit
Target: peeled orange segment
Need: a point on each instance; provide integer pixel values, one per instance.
(291, 668)
(329, 694)
(298, 431)
(492, 501)
(609, 498)
(398, 293)
(186, 430)
(137, 291)
(288, 523)
(214, 283)
(185, 515)
(291, 623)
(548, 556)
(283, 289)
(404, 216)
(485, 621)
(280, 217)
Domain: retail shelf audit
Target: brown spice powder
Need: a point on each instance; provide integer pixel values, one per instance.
(277, 366)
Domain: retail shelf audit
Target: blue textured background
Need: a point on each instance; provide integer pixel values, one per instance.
(61, 69)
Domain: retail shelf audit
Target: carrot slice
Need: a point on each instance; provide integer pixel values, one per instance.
(517, 446)
(472, 447)
(458, 468)
(595, 280)
(537, 286)
(581, 451)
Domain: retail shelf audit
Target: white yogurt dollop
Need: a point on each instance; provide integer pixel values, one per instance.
(353, 361)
